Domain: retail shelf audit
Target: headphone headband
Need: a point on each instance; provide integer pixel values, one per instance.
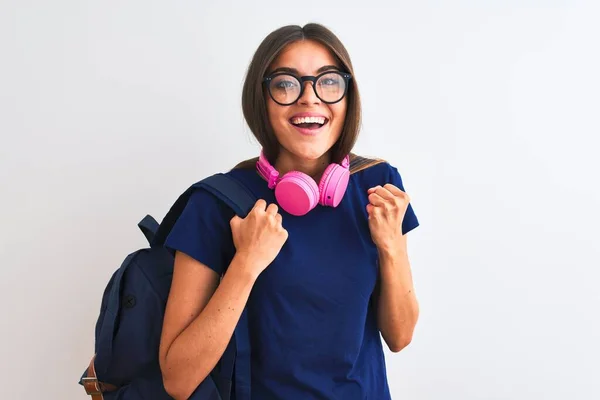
(271, 175)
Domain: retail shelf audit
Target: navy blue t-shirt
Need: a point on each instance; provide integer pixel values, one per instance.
(313, 327)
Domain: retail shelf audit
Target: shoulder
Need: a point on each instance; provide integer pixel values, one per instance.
(248, 164)
(201, 228)
(209, 206)
(360, 163)
(373, 171)
(244, 172)
(203, 208)
(382, 173)
(198, 211)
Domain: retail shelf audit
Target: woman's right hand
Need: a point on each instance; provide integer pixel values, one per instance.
(259, 237)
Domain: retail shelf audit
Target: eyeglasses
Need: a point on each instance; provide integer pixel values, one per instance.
(285, 89)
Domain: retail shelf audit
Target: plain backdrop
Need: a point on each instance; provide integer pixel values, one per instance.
(489, 109)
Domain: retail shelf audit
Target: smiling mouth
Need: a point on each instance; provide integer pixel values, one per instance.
(311, 123)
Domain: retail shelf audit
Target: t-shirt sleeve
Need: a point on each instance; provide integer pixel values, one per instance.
(410, 221)
(203, 231)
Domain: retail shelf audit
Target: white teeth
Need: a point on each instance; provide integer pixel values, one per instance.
(308, 120)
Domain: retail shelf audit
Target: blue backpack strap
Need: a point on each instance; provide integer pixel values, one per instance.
(240, 200)
(224, 187)
(242, 358)
(229, 190)
(237, 354)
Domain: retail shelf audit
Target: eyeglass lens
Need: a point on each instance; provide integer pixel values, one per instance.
(286, 89)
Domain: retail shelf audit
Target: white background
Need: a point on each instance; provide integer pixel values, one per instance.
(489, 109)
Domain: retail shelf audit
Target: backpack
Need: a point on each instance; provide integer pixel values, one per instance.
(127, 333)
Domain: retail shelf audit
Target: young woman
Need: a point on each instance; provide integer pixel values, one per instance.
(321, 260)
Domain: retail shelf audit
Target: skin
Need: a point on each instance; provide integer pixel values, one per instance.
(202, 310)
(397, 306)
(309, 154)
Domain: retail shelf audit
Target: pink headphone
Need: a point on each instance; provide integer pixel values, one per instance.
(297, 193)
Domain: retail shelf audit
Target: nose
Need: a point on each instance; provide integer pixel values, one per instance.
(309, 96)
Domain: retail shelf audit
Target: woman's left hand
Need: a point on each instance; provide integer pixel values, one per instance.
(386, 209)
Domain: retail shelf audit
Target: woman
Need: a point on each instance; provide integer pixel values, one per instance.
(321, 278)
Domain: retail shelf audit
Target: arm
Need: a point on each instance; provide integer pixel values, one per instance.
(395, 300)
(201, 312)
(200, 319)
(397, 306)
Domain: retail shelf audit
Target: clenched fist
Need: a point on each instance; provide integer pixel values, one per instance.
(259, 237)
(386, 209)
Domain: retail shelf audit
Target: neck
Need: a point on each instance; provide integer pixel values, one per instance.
(314, 167)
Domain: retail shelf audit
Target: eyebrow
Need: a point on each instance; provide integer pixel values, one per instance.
(295, 71)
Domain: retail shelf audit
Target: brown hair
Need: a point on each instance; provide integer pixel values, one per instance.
(253, 94)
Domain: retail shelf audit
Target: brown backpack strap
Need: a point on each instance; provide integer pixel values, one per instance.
(92, 386)
(358, 163)
(247, 164)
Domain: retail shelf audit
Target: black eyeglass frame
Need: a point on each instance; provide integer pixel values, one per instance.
(308, 78)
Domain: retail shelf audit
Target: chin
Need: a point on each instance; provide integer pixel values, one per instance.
(307, 153)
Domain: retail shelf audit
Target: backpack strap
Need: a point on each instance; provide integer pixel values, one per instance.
(358, 163)
(229, 190)
(237, 354)
(226, 188)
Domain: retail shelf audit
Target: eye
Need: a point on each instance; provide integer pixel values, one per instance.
(285, 84)
(330, 81)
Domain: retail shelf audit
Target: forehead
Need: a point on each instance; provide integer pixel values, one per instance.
(306, 56)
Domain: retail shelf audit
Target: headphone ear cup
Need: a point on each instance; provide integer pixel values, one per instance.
(297, 193)
(333, 185)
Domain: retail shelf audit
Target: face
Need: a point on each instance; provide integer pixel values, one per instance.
(303, 139)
